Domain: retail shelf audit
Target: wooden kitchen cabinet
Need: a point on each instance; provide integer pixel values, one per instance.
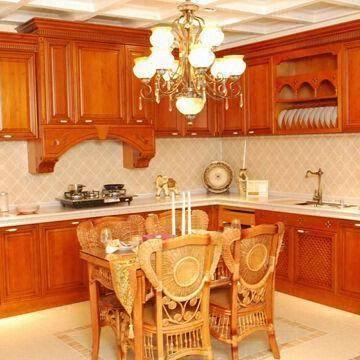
(204, 123)
(136, 114)
(18, 117)
(349, 259)
(231, 122)
(59, 81)
(20, 264)
(100, 83)
(314, 258)
(167, 123)
(351, 86)
(258, 96)
(61, 265)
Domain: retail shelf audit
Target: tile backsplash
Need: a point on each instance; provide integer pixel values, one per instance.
(95, 163)
(283, 160)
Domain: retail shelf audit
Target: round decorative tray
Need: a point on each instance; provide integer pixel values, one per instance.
(218, 176)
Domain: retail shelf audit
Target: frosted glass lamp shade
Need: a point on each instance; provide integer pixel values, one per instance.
(201, 56)
(162, 37)
(211, 36)
(143, 69)
(235, 64)
(189, 105)
(218, 69)
(161, 59)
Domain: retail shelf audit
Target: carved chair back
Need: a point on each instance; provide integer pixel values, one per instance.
(180, 269)
(89, 232)
(161, 223)
(251, 259)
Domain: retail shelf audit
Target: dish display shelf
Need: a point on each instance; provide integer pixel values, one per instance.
(306, 93)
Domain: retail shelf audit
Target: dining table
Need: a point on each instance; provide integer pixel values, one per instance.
(132, 289)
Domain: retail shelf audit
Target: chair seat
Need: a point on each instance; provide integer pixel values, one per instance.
(221, 297)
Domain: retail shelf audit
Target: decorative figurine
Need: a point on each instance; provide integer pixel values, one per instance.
(166, 185)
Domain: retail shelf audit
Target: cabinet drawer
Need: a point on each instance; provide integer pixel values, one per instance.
(228, 214)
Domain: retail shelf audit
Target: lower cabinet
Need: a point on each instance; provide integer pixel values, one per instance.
(20, 264)
(61, 266)
(349, 259)
(314, 258)
(319, 259)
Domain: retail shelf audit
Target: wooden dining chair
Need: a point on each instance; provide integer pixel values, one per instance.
(110, 311)
(176, 322)
(246, 305)
(162, 223)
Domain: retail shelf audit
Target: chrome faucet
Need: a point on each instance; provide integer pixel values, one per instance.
(318, 195)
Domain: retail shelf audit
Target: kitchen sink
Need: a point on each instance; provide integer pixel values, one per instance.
(326, 204)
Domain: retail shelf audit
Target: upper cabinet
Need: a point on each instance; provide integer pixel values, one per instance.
(351, 85)
(306, 91)
(167, 121)
(87, 91)
(258, 96)
(58, 81)
(100, 83)
(138, 111)
(204, 123)
(18, 107)
(231, 120)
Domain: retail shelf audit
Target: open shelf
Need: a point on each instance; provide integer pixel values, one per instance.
(305, 100)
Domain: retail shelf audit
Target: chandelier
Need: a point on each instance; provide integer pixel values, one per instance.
(197, 74)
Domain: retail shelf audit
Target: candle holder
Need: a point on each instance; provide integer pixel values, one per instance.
(242, 182)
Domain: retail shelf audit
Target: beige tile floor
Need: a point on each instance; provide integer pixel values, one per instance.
(305, 331)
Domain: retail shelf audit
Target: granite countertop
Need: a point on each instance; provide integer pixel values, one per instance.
(51, 212)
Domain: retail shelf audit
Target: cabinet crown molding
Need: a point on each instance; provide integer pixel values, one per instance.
(82, 31)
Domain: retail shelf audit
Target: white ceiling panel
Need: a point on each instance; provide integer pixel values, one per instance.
(243, 21)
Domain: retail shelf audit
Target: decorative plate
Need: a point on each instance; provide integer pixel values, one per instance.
(218, 176)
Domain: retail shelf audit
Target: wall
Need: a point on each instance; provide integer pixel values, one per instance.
(283, 160)
(95, 163)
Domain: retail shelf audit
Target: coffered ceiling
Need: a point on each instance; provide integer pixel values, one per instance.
(243, 21)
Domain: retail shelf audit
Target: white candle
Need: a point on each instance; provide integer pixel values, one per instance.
(173, 217)
(189, 212)
(244, 157)
(183, 220)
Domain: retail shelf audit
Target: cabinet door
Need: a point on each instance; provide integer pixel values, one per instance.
(136, 113)
(59, 77)
(284, 266)
(351, 72)
(315, 258)
(62, 268)
(100, 83)
(231, 121)
(258, 97)
(349, 259)
(20, 264)
(167, 123)
(18, 118)
(204, 123)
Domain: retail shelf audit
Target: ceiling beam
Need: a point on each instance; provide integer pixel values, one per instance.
(12, 8)
(354, 4)
(99, 8)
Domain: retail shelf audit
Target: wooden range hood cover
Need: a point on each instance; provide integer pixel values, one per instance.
(138, 142)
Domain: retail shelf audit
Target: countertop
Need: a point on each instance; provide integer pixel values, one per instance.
(50, 213)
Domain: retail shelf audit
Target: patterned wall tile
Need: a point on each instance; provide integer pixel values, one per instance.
(283, 160)
(95, 163)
